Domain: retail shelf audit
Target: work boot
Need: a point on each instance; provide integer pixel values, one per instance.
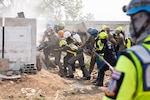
(85, 72)
(99, 83)
(86, 78)
(94, 81)
(70, 76)
(61, 73)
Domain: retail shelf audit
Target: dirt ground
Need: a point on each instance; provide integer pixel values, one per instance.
(48, 85)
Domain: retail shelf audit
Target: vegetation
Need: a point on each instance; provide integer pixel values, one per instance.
(54, 10)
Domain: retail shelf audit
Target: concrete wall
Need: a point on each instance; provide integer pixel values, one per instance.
(20, 40)
(0, 21)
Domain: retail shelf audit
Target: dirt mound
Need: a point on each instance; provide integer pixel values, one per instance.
(47, 85)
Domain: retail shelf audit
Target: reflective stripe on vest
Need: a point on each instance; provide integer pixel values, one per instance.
(144, 57)
(74, 53)
(142, 53)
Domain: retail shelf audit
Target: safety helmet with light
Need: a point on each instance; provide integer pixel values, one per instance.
(139, 10)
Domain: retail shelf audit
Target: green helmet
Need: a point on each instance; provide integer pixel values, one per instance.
(61, 25)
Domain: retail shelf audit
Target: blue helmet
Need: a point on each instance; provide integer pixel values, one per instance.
(49, 25)
(89, 30)
(93, 31)
(137, 6)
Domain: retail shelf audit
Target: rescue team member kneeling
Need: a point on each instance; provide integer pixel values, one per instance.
(73, 49)
(131, 79)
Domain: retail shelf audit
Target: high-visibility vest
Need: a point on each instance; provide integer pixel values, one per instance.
(99, 45)
(143, 72)
(128, 43)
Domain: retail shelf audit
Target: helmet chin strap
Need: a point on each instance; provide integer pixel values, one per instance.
(137, 34)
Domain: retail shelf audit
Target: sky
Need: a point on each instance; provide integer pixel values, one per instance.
(106, 10)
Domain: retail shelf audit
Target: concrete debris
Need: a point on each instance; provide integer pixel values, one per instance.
(9, 77)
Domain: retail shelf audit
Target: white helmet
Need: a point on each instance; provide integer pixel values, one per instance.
(67, 34)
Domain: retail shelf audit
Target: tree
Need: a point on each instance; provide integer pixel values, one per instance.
(49, 9)
(89, 17)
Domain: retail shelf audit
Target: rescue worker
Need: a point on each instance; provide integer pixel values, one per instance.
(120, 28)
(130, 79)
(110, 35)
(108, 50)
(61, 34)
(90, 45)
(77, 37)
(111, 38)
(120, 44)
(60, 26)
(52, 44)
(98, 46)
(74, 53)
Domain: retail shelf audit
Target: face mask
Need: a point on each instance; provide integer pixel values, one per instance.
(138, 23)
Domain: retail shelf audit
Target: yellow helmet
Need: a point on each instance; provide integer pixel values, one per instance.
(62, 43)
(120, 28)
(103, 35)
(103, 27)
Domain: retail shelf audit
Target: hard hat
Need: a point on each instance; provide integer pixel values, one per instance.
(103, 35)
(89, 30)
(137, 6)
(48, 25)
(67, 34)
(61, 32)
(120, 28)
(62, 43)
(103, 27)
(94, 31)
(62, 25)
(117, 30)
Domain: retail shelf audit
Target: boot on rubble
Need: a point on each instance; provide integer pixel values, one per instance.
(99, 82)
(94, 81)
(61, 73)
(86, 74)
(70, 72)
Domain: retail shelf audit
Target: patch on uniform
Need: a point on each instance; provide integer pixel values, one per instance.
(146, 77)
(115, 83)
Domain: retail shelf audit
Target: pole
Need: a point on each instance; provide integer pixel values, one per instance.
(110, 67)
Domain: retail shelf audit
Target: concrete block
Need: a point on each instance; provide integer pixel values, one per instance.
(4, 64)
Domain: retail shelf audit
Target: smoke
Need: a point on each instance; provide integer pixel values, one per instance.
(29, 8)
(12, 7)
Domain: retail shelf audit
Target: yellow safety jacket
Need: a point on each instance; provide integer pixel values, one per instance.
(128, 43)
(131, 78)
(99, 45)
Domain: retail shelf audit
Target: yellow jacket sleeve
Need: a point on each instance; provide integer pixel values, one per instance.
(128, 84)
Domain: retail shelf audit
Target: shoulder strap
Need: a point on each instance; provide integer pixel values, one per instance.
(142, 53)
